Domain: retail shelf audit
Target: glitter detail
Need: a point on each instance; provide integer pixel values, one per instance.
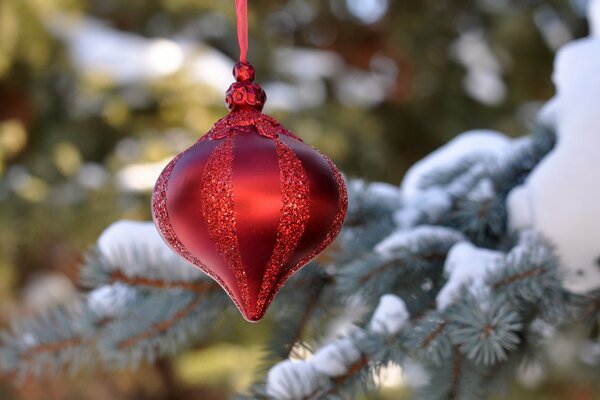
(265, 125)
(160, 215)
(335, 228)
(295, 212)
(218, 211)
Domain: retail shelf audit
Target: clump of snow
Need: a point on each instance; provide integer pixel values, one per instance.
(416, 375)
(391, 315)
(29, 339)
(137, 249)
(552, 27)
(335, 359)
(384, 193)
(112, 300)
(431, 203)
(483, 81)
(547, 116)
(96, 47)
(484, 190)
(562, 191)
(531, 374)
(594, 17)
(520, 208)
(467, 266)
(141, 177)
(411, 239)
(468, 144)
(292, 380)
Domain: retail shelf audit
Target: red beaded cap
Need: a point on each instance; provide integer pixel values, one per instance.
(245, 94)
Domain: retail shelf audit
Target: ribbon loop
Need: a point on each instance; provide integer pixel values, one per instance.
(241, 7)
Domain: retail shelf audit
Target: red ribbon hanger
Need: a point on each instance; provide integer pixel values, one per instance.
(241, 7)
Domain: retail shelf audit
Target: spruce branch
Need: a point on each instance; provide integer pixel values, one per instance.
(62, 339)
(529, 274)
(402, 259)
(300, 305)
(428, 340)
(486, 333)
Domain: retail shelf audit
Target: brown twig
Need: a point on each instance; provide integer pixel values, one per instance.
(162, 326)
(436, 332)
(339, 380)
(196, 287)
(456, 372)
(518, 277)
(354, 369)
(57, 346)
(433, 257)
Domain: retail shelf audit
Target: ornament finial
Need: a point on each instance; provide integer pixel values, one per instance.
(245, 94)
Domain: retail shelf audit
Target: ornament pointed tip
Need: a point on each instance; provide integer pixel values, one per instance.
(253, 316)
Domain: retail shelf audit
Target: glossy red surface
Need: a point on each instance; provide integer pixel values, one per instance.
(249, 204)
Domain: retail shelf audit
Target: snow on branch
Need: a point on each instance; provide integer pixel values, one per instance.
(594, 17)
(336, 362)
(467, 266)
(131, 256)
(146, 303)
(390, 316)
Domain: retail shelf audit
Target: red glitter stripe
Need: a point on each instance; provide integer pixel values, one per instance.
(295, 212)
(218, 211)
(336, 226)
(160, 215)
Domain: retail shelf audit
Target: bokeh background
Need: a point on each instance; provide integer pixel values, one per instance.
(97, 95)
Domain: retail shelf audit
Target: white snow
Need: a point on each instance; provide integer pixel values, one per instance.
(471, 143)
(292, 97)
(531, 374)
(410, 239)
(368, 11)
(92, 176)
(137, 249)
(95, 47)
(560, 197)
(521, 209)
(336, 358)
(467, 266)
(111, 300)
(292, 380)
(391, 315)
(292, 62)
(416, 375)
(140, 178)
(547, 116)
(483, 81)
(384, 192)
(594, 17)
(29, 339)
(484, 190)
(432, 202)
(552, 27)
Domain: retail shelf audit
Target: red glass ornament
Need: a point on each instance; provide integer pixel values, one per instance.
(249, 203)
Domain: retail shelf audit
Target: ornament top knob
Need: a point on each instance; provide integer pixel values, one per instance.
(245, 94)
(243, 71)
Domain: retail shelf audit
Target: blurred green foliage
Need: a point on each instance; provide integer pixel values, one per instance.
(69, 133)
